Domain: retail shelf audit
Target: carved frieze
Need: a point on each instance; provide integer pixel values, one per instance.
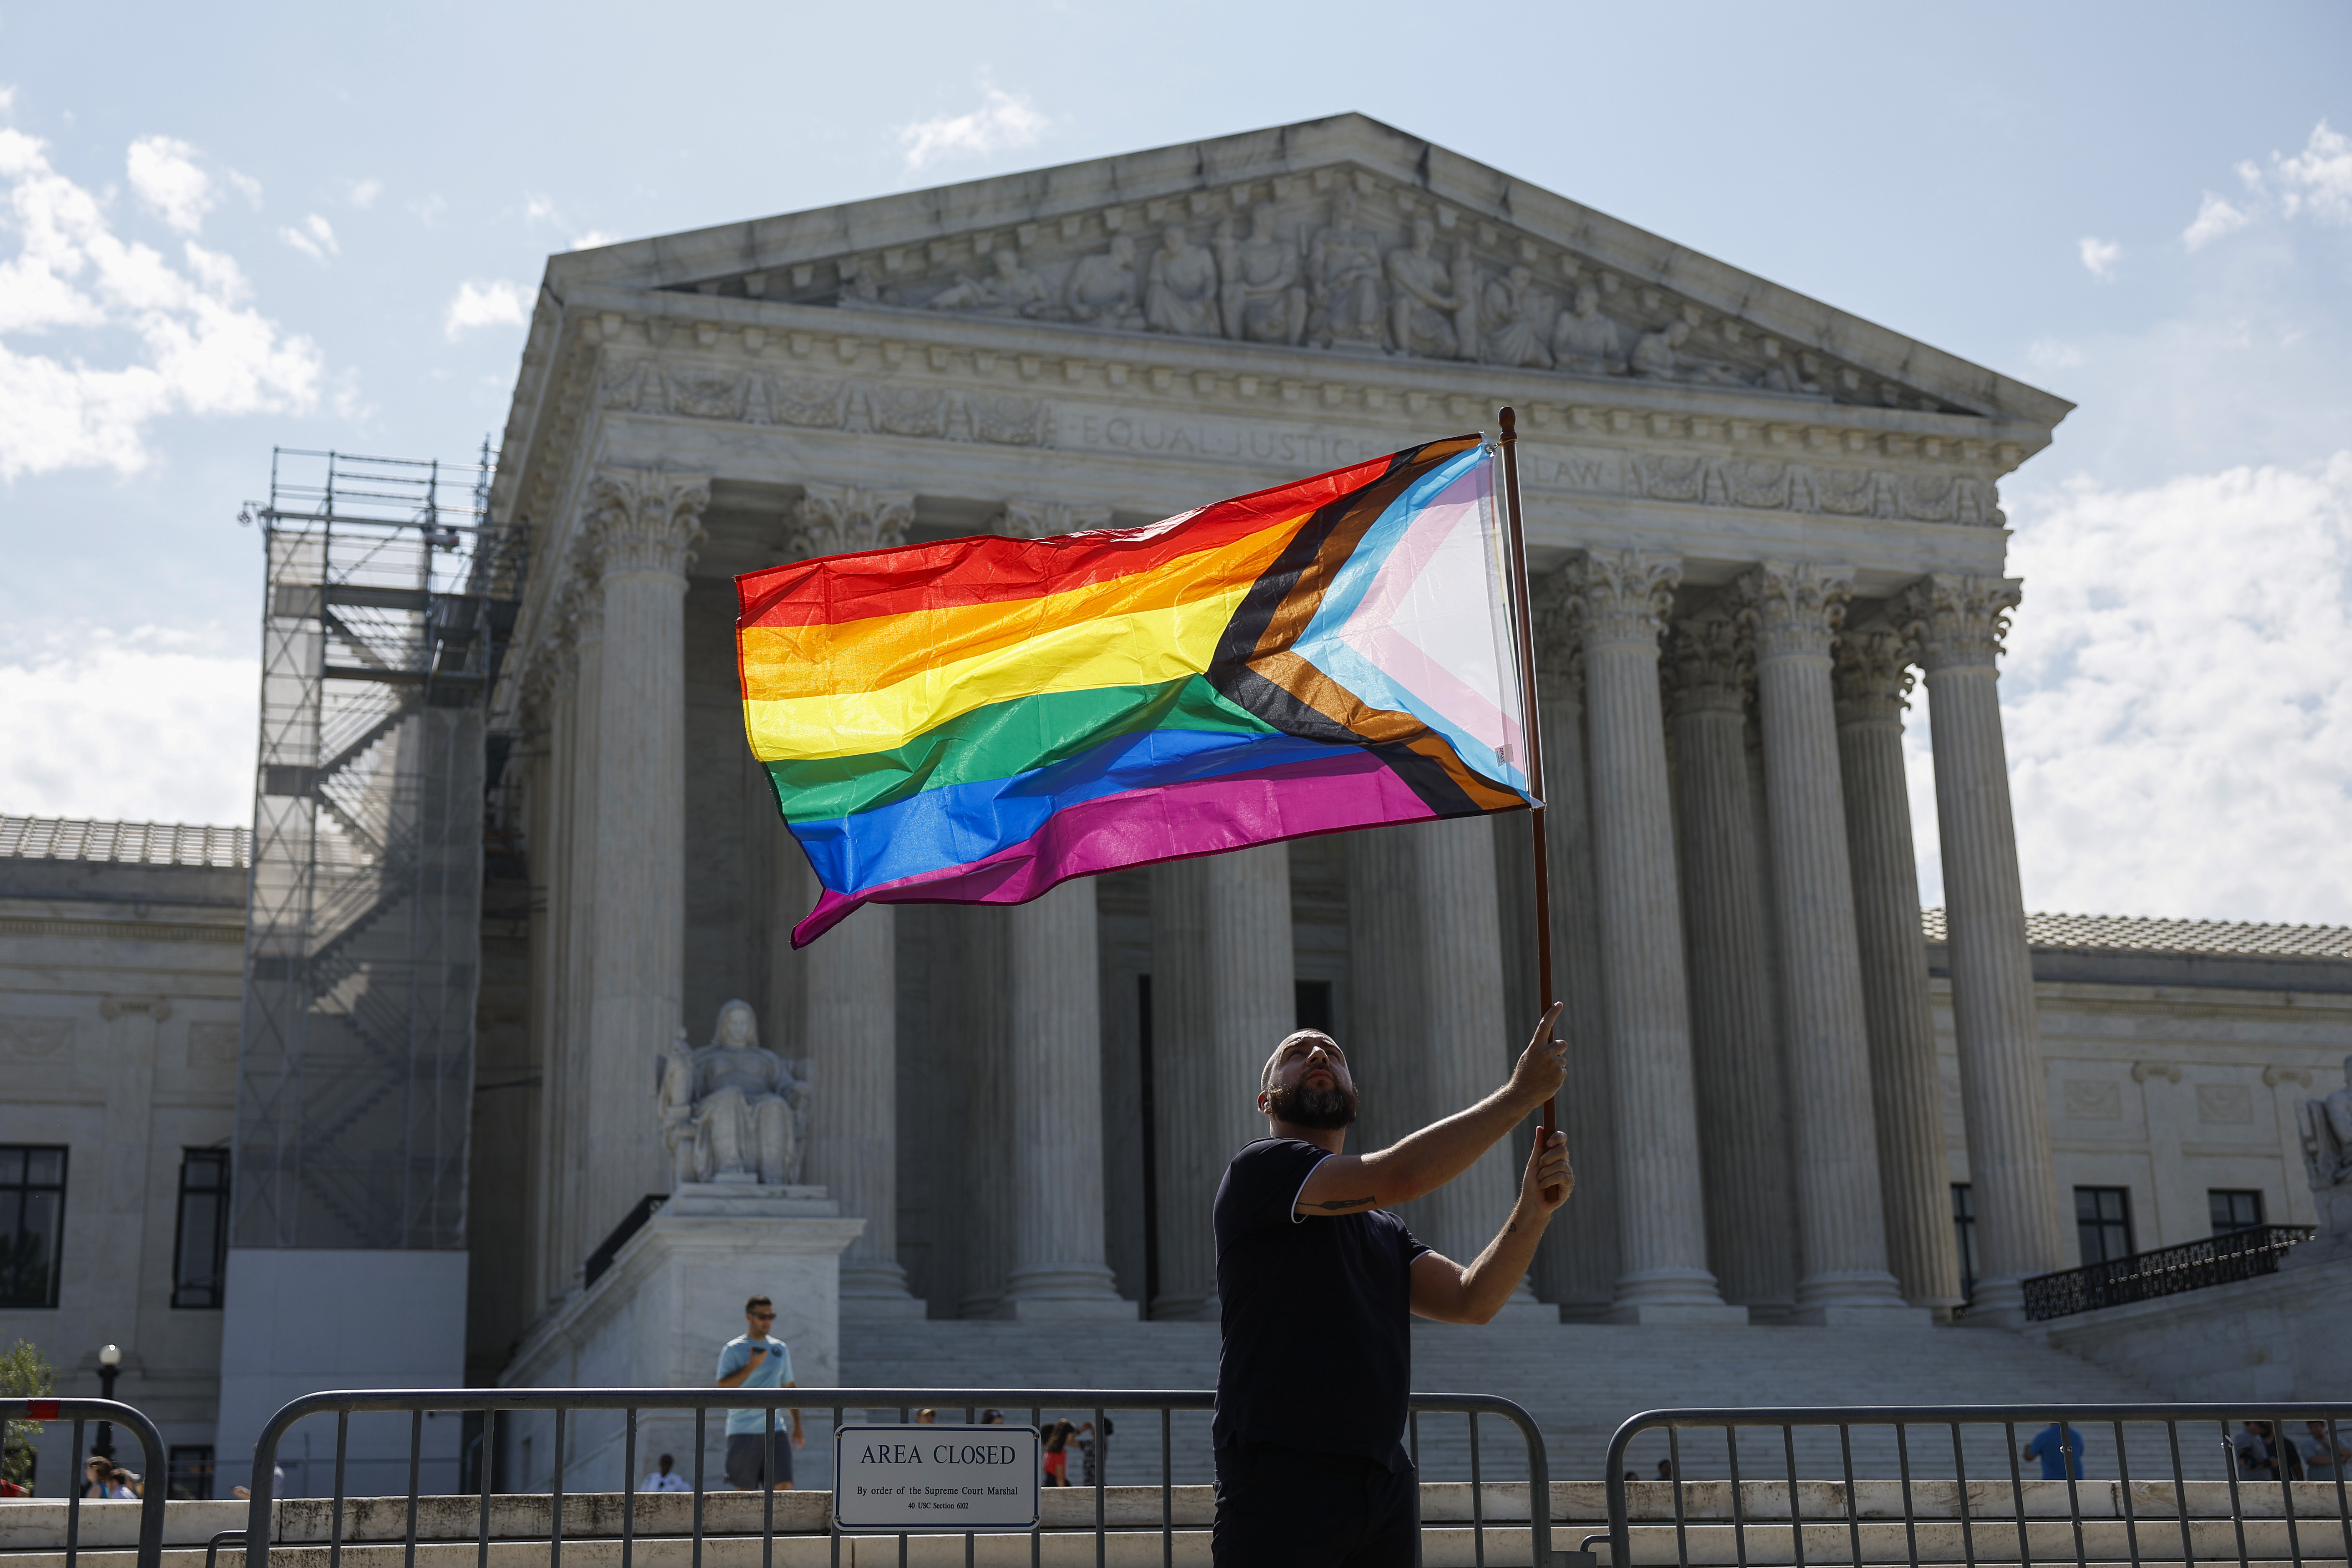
(817, 403)
(1760, 484)
(1012, 419)
(29, 1039)
(1364, 268)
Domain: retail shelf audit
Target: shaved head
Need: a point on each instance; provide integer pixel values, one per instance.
(1265, 1074)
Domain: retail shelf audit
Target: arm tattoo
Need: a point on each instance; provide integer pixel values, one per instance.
(1337, 1204)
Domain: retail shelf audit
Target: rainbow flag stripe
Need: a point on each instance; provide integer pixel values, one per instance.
(977, 720)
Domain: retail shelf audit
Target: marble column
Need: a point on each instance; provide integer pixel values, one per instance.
(1734, 1033)
(1623, 597)
(1221, 994)
(1794, 610)
(573, 896)
(1957, 623)
(986, 1233)
(850, 983)
(849, 989)
(1054, 1006)
(1577, 1265)
(643, 524)
(546, 711)
(1430, 1034)
(570, 1238)
(1870, 678)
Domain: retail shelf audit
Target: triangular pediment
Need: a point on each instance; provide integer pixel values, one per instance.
(1342, 235)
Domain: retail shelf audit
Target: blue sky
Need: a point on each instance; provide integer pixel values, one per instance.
(317, 227)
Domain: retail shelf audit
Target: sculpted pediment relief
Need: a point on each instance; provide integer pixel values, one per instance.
(1338, 260)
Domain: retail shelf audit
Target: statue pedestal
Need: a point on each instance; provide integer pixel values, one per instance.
(659, 1315)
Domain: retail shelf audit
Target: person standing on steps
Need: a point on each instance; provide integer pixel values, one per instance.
(755, 1359)
(1318, 1282)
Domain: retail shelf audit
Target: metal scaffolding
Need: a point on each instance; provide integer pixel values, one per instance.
(388, 605)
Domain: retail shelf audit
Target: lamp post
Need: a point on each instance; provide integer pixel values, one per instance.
(110, 1368)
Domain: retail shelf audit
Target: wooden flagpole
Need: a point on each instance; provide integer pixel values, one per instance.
(1531, 725)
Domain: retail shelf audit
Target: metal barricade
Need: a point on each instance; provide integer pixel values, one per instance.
(632, 1404)
(1945, 1484)
(158, 1484)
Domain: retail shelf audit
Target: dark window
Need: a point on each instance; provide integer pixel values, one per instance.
(200, 1257)
(1313, 1009)
(1964, 1236)
(32, 1223)
(2102, 1222)
(192, 1472)
(2234, 1210)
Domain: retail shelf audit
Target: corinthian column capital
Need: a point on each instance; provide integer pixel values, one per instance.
(1558, 608)
(1023, 519)
(1794, 607)
(1958, 620)
(1624, 595)
(1872, 675)
(1711, 663)
(835, 518)
(645, 519)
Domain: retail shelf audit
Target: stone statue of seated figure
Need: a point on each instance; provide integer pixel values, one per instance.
(732, 1111)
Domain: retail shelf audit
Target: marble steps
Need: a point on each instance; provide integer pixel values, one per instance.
(1578, 1380)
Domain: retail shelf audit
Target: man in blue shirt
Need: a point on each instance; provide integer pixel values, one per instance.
(2058, 1448)
(755, 1359)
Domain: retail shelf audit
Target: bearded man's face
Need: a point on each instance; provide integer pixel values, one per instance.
(1321, 1105)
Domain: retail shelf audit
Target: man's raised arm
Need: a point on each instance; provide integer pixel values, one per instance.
(1424, 1161)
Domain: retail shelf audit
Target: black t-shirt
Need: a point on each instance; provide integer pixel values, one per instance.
(1317, 1341)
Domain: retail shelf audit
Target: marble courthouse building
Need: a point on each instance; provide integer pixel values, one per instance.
(1762, 531)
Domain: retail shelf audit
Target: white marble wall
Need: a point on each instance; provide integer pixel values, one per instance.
(119, 994)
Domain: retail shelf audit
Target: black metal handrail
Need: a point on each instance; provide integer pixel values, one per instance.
(610, 1248)
(2166, 1272)
(629, 1402)
(159, 1486)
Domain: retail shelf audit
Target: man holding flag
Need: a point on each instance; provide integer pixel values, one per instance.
(979, 719)
(1316, 1279)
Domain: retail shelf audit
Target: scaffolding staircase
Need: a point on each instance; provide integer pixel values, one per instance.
(386, 617)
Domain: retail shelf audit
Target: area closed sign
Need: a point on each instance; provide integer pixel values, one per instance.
(935, 1477)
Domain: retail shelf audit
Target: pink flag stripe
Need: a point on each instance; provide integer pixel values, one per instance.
(1351, 790)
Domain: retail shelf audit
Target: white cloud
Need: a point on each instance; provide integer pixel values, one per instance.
(2047, 354)
(497, 303)
(200, 349)
(594, 238)
(2319, 177)
(89, 714)
(7, 97)
(539, 209)
(2100, 256)
(163, 172)
(362, 193)
(2215, 217)
(313, 236)
(1001, 122)
(2177, 703)
(427, 209)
